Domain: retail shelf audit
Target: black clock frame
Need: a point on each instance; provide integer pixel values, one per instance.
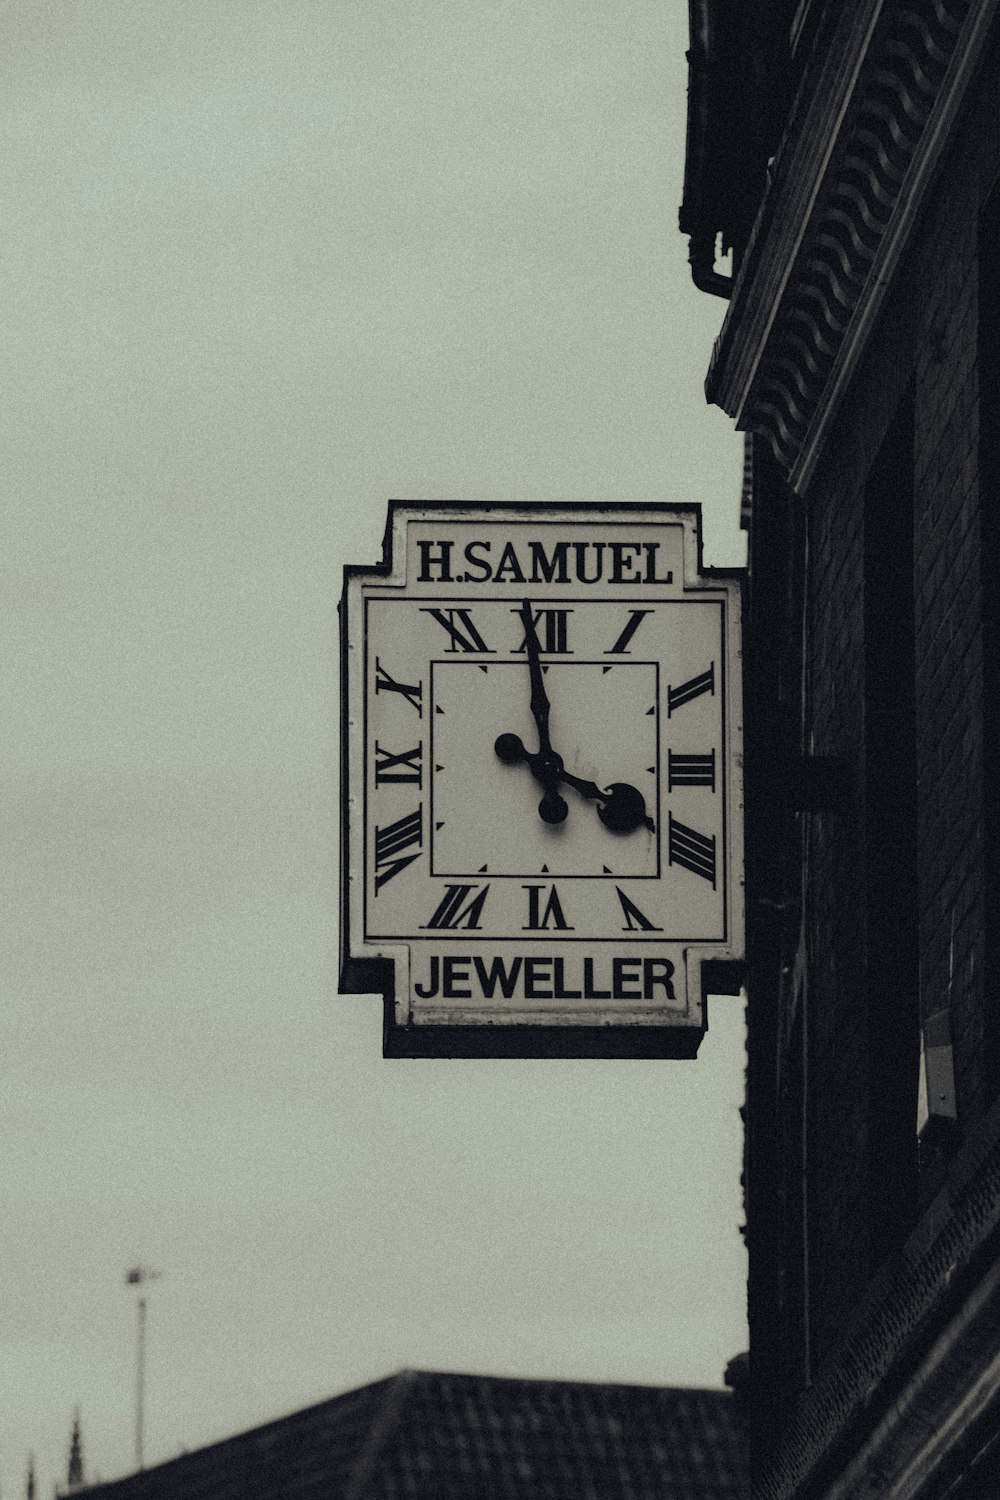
(376, 976)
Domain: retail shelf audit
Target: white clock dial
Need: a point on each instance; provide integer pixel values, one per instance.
(604, 721)
(447, 816)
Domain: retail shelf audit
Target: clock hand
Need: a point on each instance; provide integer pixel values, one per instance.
(623, 807)
(539, 697)
(547, 764)
(546, 769)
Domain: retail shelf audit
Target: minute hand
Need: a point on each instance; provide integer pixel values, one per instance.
(539, 698)
(546, 765)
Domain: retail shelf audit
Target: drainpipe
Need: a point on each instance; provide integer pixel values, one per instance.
(699, 217)
(701, 256)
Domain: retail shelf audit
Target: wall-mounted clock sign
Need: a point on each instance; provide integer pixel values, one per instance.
(542, 803)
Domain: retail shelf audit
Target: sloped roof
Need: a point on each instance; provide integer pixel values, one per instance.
(421, 1435)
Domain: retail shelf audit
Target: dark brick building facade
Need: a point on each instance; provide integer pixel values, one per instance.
(856, 182)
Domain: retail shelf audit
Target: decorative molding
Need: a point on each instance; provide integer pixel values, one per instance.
(926, 1424)
(838, 215)
(794, 178)
(919, 1364)
(931, 147)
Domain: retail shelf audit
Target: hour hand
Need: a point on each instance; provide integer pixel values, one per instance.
(622, 807)
(546, 769)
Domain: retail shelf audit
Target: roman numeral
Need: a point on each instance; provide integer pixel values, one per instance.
(552, 639)
(552, 916)
(693, 688)
(391, 844)
(636, 617)
(690, 770)
(687, 847)
(635, 920)
(412, 692)
(462, 633)
(396, 768)
(451, 913)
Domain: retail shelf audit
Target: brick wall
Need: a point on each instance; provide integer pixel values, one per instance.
(949, 635)
(837, 1089)
(926, 342)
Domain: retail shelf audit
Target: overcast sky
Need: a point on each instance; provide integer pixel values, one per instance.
(266, 264)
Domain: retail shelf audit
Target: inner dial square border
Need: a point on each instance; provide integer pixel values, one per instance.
(518, 661)
(377, 593)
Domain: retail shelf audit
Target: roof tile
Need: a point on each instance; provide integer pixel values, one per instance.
(425, 1435)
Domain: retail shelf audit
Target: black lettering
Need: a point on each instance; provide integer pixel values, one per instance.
(589, 992)
(552, 916)
(545, 569)
(553, 637)
(497, 975)
(694, 850)
(412, 692)
(635, 619)
(657, 971)
(457, 910)
(651, 549)
(693, 688)
(456, 976)
(442, 562)
(690, 770)
(635, 920)
(620, 564)
(537, 971)
(620, 977)
(428, 992)
(404, 767)
(509, 564)
(559, 990)
(473, 561)
(462, 633)
(581, 549)
(391, 844)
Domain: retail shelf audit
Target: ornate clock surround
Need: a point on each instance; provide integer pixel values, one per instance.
(488, 930)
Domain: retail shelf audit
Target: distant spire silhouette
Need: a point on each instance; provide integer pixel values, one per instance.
(29, 1488)
(74, 1472)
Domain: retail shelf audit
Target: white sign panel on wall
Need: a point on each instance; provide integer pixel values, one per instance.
(542, 798)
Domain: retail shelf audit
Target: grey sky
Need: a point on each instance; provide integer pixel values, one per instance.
(265, 266)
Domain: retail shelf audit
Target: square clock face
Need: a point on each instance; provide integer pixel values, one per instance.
(541, 813)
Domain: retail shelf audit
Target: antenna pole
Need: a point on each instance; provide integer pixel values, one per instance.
(138, 1277)
(140, 1380)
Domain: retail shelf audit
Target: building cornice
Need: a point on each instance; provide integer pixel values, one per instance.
(870, 123)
